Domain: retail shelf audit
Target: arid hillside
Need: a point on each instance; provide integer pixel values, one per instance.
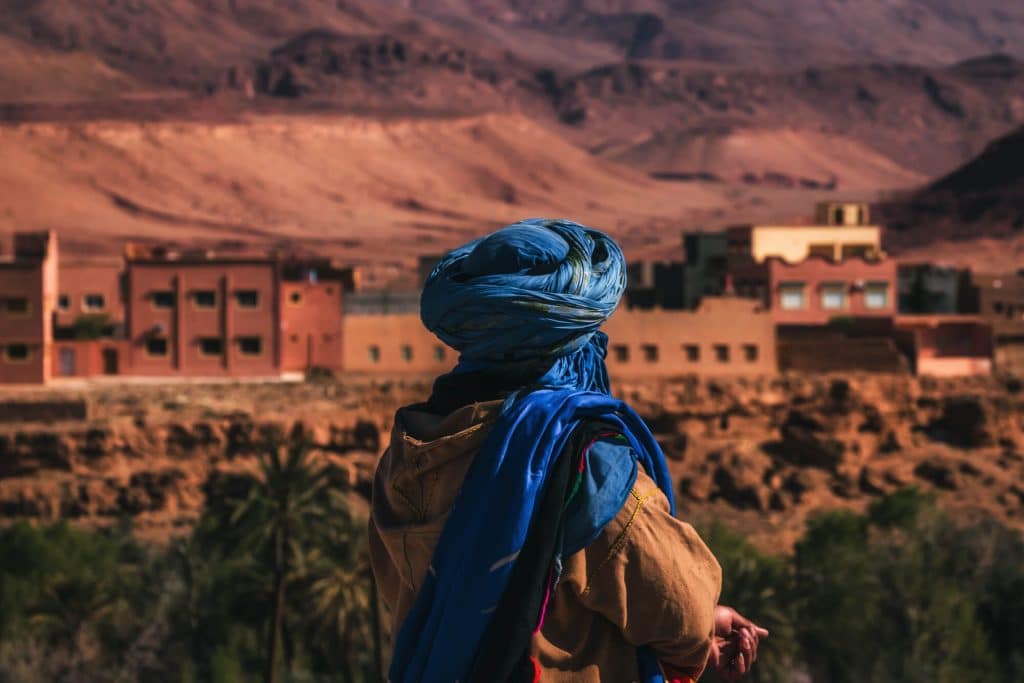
(367, 191)
(761, 455)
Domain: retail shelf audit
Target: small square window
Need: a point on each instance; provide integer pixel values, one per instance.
(294, 339)
(162, 299)
(692, 352)
(621, 352)
(374, 352)
(407, 354)
(63, 302)
(205, 298)
(791, 296)
(211, 346)
(156, 346)
(17, 353)
(876, 296)
(722, 353)
(439, 354)
(750, 352)
(250, 346)
(833, 296)
(17, 305)
(650, 353)
(247, 298)
(295, 298)
(94, 302)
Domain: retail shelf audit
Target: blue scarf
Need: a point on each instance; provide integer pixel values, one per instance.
(527, 300)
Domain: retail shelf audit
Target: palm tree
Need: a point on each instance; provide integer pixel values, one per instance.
(343, 598)
(284, 514)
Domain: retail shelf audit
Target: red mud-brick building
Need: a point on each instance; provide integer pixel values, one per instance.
(28, 293)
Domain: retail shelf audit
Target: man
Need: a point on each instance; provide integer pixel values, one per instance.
(522, 525)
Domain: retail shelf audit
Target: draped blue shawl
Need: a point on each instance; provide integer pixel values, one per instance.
(527, 299)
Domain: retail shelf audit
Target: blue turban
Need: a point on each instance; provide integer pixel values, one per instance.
(532, 295)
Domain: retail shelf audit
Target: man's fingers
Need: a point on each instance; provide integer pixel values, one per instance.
(761, 632)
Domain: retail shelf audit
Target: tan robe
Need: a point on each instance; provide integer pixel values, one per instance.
(647, 580)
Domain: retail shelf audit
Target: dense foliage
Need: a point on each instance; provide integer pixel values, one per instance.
(274, 585)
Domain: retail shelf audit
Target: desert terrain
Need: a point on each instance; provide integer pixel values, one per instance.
(761, 455)
(343, 127)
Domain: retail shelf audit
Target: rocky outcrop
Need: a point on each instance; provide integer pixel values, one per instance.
(759, 454)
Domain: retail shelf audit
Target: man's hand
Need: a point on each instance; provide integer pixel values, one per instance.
(735, 646)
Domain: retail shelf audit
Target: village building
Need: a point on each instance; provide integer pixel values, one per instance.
(706, 271)
(28, 295)
(929, 288)
(1001, 304)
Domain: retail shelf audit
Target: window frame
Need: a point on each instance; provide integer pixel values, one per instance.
(149, 352)
(152, 296)
(247, 307)
(831, 287)
(25, 313)
(206, 354)
(723, 354)
(692, 352)
(203, 307)
(791, 286)
(886, 292)
(18, 361)
(87, 308)
(239, 342)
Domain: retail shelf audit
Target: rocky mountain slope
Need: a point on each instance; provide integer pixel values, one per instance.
(759, 454)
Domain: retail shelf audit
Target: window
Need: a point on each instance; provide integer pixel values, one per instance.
(210, 346)
(63, 302)
(621, 352)
(17, 353)
(407, 354)
(94, 302)
(791, 296)
(722, 353)
(250, 346)
(162, 299)
(823, 250)
(374, 354)
(439, 354)
(650, 353)
(750, 352)
(156, 346)
(876, 295)
(295, 298)
(204, 298)
(863, 251)
(692, 352)
(833, 296)
(838, 216)
(247, 298)
(17, 305)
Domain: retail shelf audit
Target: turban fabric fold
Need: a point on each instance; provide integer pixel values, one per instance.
(533, 296)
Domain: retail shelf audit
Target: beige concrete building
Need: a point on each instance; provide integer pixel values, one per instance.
(842, 231)
(724, 336)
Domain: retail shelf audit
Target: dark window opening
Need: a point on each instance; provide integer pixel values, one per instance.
(650, 353)
(17, 305)
(750, 352)
(250, 346)
(156, 347)
(206, 298)
(621, 353)
(692, 352)
(247, 298)
(211, 346)
(407, 354)
(374, 354)
(162, 299)
(722, 353)
(439, 354)
(63, 302)
(94, 302)
(16, 352)
(295, 298)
